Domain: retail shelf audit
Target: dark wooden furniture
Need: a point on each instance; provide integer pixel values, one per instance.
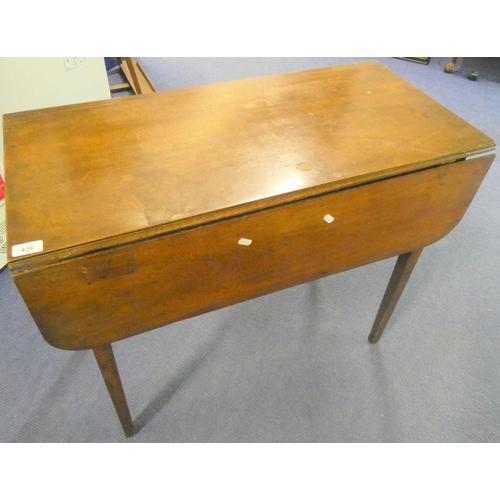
(126, 215)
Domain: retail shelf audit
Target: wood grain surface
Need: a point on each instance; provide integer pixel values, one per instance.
(155, 208)
(88, 177)
(92, 300)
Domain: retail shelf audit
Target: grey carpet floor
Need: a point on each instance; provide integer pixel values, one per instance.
(294, 366)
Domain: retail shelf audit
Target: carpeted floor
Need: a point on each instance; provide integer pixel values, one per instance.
(294, 366)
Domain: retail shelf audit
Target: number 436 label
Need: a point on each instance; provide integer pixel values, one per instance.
(27, 248)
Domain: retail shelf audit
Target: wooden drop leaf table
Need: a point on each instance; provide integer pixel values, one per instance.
(132, 213)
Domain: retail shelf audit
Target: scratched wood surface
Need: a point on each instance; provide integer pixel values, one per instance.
(88, 301)
(91, 176)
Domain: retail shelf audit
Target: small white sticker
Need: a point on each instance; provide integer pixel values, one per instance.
(328, 218)
(27, 248)
(244, 241)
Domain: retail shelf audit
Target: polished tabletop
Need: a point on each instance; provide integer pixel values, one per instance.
(88, 176)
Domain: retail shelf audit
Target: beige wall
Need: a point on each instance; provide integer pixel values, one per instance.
(43, 82)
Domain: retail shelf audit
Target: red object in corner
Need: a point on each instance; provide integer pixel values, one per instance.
(2, 189)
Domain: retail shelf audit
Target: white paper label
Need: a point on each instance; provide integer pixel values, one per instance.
(244, 241)
(27, 248)
(328, 218)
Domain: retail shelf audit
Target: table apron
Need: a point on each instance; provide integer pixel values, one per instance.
(92, 300)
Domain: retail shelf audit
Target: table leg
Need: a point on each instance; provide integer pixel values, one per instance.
(402, 271)
(107, 364)
(450, 67)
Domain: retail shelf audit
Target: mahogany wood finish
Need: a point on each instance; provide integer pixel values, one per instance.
(107, 364)
(92, 176)
(176, 276)
(158, 207)
(400, 276)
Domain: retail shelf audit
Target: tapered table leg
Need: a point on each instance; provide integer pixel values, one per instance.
(107, 364)
(402, 271)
